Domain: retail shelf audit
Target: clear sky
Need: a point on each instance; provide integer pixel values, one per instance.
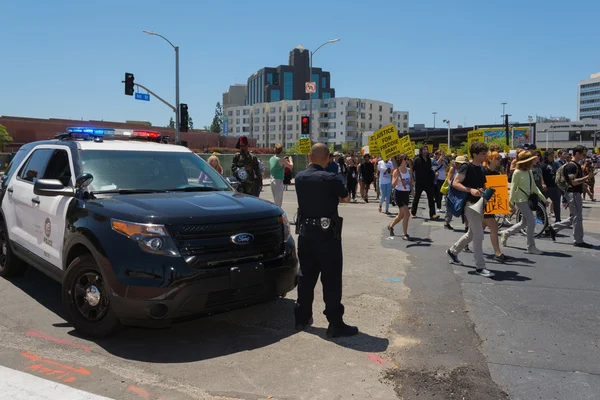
(67, 58)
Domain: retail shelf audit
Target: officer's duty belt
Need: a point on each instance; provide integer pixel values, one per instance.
(323, 223)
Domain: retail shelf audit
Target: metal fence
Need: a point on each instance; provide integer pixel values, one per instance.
(300, 162)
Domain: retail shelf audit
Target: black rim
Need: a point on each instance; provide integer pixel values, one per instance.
(3, 248)
(89, 296)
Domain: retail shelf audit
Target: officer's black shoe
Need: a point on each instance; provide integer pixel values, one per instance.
(303, 326)
(341, 330)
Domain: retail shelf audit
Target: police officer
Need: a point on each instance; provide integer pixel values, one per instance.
(246, 169)
(320, 244)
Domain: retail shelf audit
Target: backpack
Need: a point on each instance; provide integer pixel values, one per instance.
(455, 200)
(561, 180)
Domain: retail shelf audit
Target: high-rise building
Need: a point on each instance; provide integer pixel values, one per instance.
(588, 98)
(235, 96)
(335, 121)
(287, 82)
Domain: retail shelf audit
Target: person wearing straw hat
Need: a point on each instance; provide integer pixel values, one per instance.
(458, 162)
(523, 186)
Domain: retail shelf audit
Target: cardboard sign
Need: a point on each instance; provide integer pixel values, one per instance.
(388, 141)
(430, 148)
(444, 147)
(406, 146)
(304, 145)
(459, 152)
(373, 146)
(476, 136)
(498, 204)
(507, 149)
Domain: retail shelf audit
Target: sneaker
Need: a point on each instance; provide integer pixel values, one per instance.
(449, 227)
(503, 239)
(439, 210)
(534, 250)
(552, 233)
(391, 230)
(584, 245)
(501, 258)
(453, 258)
(341, 330)
(484, 272)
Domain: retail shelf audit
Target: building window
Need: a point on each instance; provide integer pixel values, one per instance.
(326, 95)
(370, 125)
(406, 117)
(237, 120)
(256, 120)
(270, 79)
(289, 117)
(237, 129)
(390, 119)
(272, 127)
(370, 116)
(381, 117)
(406, 126)
(246, 129)
(391, 110)
(246, 111)
(362, 115)
(272, 109)
(275, 96)
(290, 108)
(297, 126)
(237, 112)
(288, 86)
(323, 82)
(280, 118)
(290, 127)
(370, 106)
(380, 108)
(315, 79)
(272, 119)
(230, 113)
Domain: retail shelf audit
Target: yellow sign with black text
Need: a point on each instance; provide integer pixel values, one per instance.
(304, 145)
(476, 136)
(373, 146)
(388, 141)
(444, 147)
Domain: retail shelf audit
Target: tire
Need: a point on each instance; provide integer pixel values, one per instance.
(10, 264)
(83, 286)
(541, 220)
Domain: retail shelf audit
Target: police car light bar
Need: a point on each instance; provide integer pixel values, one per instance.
(145, 134)
(90, 133)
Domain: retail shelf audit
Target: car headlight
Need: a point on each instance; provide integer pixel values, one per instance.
(286, 226)
(152, 238)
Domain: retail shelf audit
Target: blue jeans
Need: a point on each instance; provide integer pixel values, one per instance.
(386, 193)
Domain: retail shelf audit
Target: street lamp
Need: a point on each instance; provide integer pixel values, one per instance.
(530, 119)
(176, 48)
(427, 131)
(447, 121)
(310, 95)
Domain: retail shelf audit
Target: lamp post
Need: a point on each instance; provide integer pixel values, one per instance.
(447, 121)
(427, 131)
(176, 48)
(530, 119)
(310, 95)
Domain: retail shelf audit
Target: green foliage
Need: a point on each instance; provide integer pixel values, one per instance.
(171, 123)
(217, 121)
(4, 137)
(190, 123)
(292, 150)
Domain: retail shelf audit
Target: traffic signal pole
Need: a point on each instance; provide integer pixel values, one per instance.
(158, 97)
(177, 121)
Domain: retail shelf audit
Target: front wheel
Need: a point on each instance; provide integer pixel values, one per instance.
(10, 264)
(541, 220)
(85, 299)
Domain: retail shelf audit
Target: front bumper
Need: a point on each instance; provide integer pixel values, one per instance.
(219, 289)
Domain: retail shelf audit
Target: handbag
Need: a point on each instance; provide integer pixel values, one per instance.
(532, 198)
(444, 188)
(456, 200)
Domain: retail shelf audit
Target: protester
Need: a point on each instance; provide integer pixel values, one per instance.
(439, 164)
(576, 180)
(424, 179)
(287, 173)
(384, 169)
(402, 184)
(522, 188)
(489, 220)
(552, 191)
(351, 178)
(213, 161)
(471, 180)
(367, 175)
(454, 168)
(588, 170)
(278, 165)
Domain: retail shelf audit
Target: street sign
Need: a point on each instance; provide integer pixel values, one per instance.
(311, 87)
(142, 96)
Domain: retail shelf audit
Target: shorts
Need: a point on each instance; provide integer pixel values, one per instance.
(402, 197)
(489, 215)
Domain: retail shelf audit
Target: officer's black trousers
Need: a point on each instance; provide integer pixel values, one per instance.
(319, 253)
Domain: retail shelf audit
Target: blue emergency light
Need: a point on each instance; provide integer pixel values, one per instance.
(90, 133)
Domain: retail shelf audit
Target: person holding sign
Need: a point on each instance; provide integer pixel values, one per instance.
(523, 188)
(489, 220)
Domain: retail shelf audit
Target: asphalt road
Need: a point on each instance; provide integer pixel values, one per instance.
(428, 329)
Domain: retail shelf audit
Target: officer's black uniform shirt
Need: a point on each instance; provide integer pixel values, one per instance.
(318, 192)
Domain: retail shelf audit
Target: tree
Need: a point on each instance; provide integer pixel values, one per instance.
(171, 123)
(4, 137)
(292, 150)
(217, 119)
(190, 123)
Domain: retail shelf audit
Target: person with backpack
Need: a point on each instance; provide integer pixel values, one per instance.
(570, 179)
(552, 191)
(523, 192)
(471, 180)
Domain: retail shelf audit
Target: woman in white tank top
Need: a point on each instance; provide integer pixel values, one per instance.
(402, 184)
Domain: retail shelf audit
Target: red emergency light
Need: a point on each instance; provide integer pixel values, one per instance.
(146, 134)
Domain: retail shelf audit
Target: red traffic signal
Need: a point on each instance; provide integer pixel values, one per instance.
(305, 126)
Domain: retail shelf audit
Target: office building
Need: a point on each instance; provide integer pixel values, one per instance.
(287, 82)
(565, 135)
(588, 98)
(335, 121)
(235, 96)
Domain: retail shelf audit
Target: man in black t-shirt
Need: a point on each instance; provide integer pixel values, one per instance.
(471, 179)
(367, 176)
(574, 198)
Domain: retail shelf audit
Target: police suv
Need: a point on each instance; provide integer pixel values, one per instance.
(138, 232)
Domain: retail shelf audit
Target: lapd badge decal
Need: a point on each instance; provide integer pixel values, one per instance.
(47, 232)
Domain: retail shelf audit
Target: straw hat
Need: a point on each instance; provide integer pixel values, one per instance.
(461, 159)
(525, 157)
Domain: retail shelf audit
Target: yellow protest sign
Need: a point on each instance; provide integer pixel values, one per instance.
(459, 152)
(304, 145)
(444, 147)
(388, 141)
(406, 146)
(507, 149)
(373, 146)
(498, 204)
(430, 148)
(476, 136)
(597, 150)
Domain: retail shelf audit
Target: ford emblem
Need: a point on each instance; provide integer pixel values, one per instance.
(242, 238)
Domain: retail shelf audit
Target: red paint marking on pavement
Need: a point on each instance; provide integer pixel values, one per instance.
(33, 357)
(140, 392)
(375, 358)
(59, 341)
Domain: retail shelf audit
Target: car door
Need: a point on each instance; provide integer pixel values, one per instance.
(8, 180)
(24, 203)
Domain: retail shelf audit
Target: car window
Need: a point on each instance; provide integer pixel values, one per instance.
(151, 170)
(35, 166)
(14, 164)
(59, 167)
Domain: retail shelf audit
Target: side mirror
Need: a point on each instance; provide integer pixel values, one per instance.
(52, 187)
(233, 182)
(83, 180)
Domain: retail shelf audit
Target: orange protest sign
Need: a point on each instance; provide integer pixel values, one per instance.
(498, 204)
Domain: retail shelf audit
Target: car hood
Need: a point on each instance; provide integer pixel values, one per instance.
(185, 207)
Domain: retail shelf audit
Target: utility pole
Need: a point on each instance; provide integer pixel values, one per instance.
(506, 127)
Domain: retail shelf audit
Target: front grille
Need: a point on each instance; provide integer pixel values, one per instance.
(229, 296)
(210, 245)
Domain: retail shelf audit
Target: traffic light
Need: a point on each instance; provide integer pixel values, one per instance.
(129, 84)
(184, 118)
(305, 126)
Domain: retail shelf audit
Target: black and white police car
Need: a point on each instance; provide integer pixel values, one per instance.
(138, 232)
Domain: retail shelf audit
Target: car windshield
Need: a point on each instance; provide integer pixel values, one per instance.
(118, 170)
